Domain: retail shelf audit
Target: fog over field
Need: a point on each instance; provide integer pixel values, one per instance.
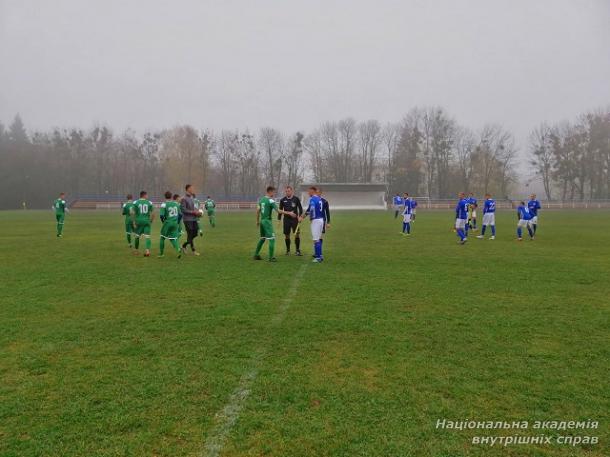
(293, 64)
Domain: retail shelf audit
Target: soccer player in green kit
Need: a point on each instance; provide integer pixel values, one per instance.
(210, 207)
(170, 216)
(142, 218)
(264, 212)
(127, 211)
(198, 206)
(60, 208)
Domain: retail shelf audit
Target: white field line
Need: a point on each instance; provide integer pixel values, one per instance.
(227, 417)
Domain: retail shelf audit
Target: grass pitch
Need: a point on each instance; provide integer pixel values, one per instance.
(106, 354)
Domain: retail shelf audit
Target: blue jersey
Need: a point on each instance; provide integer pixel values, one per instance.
(524, 213)
(461, 209)
(533, 206)
(315, 208)
(409, 205)
(490, 206)
(472, 201)
(398, 200)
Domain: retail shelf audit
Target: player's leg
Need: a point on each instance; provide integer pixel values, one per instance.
(137, 233)
(60, 224)
(128, 230)
(269, 236)
(173, 233)
(260, 243)
(286, 229)
(529, 230)
(460, 225)
(297, 237)
(474, 220)
(162, 239)
(535, 224)
(147, 241)
(212, 218)
(317, 225)
(492, 222)
(520, 224)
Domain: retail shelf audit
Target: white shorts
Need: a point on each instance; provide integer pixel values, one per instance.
(524, 223)
(489, 219)
(406, 218)
(534, 220)
(474, 213)
(460, 224)
(317, 225)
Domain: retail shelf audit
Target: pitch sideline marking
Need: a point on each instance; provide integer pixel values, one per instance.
(227, 417)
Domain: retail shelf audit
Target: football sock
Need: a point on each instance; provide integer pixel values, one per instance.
(161, 245)
(493, 230)
(483, 230)
(129, 239)
(535, 227)
(147, 242)
(404, 227)
(137, 243)
(461, 233)
(519, 232)
(297, 243)
(529, 230)
(175, 245)
(271, 247)
(287, 241)
(259, 246)
(408, 227)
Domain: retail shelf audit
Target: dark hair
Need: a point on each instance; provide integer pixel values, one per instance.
(187, 187)
(129, 197)
(523, 203)
(314, 188)
(207, 196)
(142, 193)
(406, 193)
(168, 194)
(62, 193)
(289, 187)
(176, 197)
(270, 188)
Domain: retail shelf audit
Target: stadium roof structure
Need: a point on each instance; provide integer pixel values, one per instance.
(362, 196)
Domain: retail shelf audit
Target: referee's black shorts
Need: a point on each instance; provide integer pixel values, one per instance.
(290, 225)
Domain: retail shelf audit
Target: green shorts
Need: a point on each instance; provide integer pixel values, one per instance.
(170, 231)
(60, 218)
(211, 212)
(128, 226)
(266, 227)
(142, 228)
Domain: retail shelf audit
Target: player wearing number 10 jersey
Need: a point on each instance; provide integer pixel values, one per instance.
(170, 217)
(142, 218)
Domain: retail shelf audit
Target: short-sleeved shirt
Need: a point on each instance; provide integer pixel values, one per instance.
(143, 210)
(170, 211)
(60, 206)
(266, 205)
(128, 209)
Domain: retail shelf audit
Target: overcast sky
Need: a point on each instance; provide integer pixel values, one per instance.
(293, 64)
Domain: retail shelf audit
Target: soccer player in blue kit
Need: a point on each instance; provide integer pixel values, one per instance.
(525, 220)
(407, 213)
(461, 217)
(396, 204)
(534, 206)
(489, 217)
(315, 211)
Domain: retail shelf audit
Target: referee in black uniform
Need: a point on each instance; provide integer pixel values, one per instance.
(291, 203)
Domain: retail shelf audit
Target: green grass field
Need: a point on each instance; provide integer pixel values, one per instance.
(107, 354)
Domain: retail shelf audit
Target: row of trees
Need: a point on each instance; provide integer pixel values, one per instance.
(573, 158)
(427, 153)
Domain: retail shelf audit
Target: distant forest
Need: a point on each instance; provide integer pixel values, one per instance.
(427, 153)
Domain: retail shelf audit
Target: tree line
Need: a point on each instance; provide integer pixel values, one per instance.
(427, 153)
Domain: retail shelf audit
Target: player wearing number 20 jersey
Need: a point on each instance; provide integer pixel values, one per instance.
(489, 217)
(170, 216)
(143, 217)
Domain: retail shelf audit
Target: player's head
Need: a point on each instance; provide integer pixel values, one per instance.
(289, 191)
(487, 196)
(461, 195)
(143, 194)
(62, 194)
(270, 191)
(470, 194)
(176, 197)
(319, 191)
(312, 190)
(208, 197)
(189, 189)
(533, 197)
(129, 197)
(168, 195)
(522, 203)
(405, 195)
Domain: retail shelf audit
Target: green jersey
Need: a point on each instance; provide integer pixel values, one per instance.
(209, 204)
(143, 210)
(266, 205)
(59, 206)
(196, 203)
(128, 210)
(170, 211)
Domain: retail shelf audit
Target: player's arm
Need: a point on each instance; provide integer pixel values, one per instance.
(326, 213)
(152, 213)
(162, 213)
(258, 215)
(279, 215)
(299, 207)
